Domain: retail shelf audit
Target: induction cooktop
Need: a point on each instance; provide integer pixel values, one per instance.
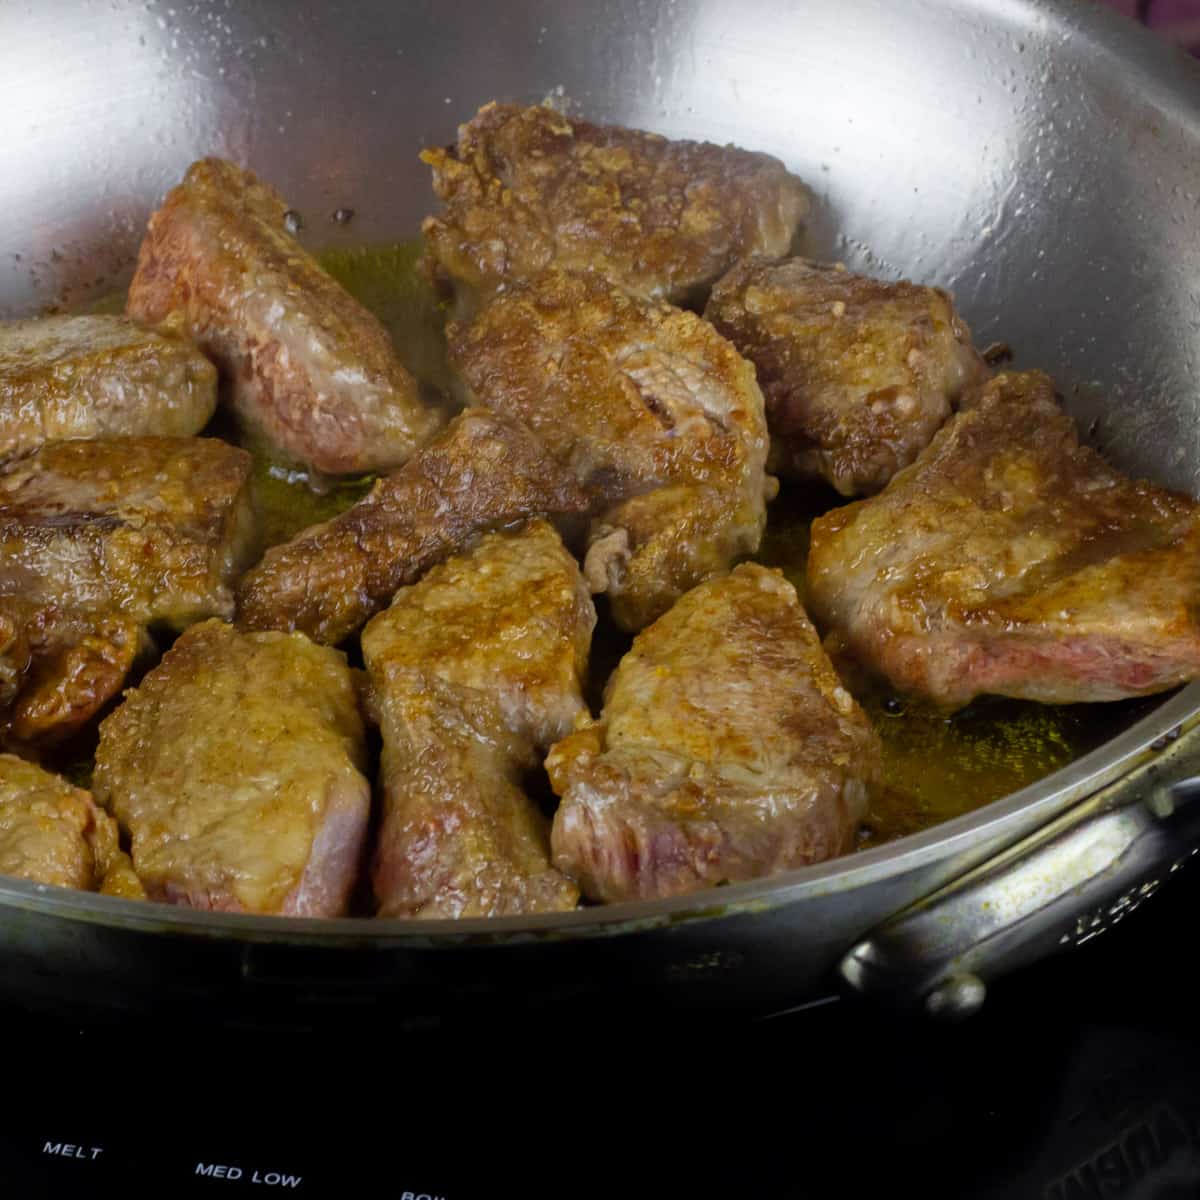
(1079, 1079)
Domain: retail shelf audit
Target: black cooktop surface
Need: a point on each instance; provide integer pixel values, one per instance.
(1080, 1079)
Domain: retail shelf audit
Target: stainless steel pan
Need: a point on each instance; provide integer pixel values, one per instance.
(1041, 159)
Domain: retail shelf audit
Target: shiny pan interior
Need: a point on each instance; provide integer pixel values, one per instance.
(1040, 159)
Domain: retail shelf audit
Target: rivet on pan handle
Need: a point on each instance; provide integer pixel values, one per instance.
(1074, 879)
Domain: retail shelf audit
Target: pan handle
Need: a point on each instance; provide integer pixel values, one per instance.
(1067, 883)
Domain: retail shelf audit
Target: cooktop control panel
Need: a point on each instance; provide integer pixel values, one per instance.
(175, 1164)
(1079, 1078)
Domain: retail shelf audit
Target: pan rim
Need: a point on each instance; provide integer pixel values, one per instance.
(1043, 799)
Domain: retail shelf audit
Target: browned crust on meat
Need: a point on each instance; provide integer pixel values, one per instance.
(73, 686)
(53, 833)
(728, 750)
(98, 376)
(649, 408)
(101, 539)
(236, 768)
(474, 669)
(1011, 560)
(305, 364)
(482, 472)
(154, 527)
(526, 187)
(858, 374)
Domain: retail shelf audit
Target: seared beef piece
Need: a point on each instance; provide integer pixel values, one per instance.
(649, 409)
(526, 187)
(858, 374)
(236, 767)
(728, 749)
(474, 670)
(482, 472)
(51, 832)
(151, 527)
(98, 540)
(88, 377)
(1008, 559)
(69, 666)
(307, 366)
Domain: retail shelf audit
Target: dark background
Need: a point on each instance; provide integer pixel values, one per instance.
(1080, 1078)
(1178, 20)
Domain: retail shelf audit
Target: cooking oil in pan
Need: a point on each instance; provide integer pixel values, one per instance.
(385, 279)
(935, 767)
